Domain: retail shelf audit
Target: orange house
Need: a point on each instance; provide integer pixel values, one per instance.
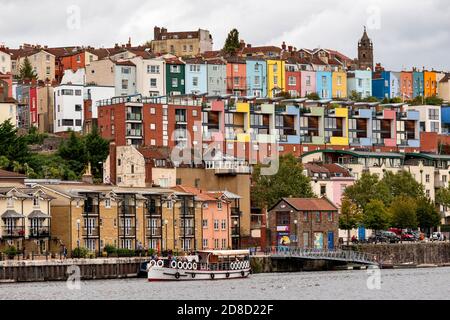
(430, 83)
(77, 60)
(406, 85)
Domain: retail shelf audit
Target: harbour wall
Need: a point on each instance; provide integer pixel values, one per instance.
(61, 270)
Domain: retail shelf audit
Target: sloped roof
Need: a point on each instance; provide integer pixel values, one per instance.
(11, 175)
(311, 204)
(199, 194)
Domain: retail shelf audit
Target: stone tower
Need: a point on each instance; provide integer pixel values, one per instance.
(365, 52)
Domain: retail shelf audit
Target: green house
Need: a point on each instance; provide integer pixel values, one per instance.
(175, 77)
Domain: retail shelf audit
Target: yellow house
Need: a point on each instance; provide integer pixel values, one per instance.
(339, 84)
(430, 83)
(276, 77)
(241, 123)
(336, 126)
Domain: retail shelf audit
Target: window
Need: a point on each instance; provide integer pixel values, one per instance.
(257, 80)
(224, 243)
(108, 203)
(78, 107)
(191, 48)
(124, 84)
(153, 69)
(224, 224)
(318, 217)
(67, 122)
(257, 67)
(292, 81)
(48, 70)
(339, 80)
(330, 216)
(78, 122)
(153, 83)
(169, 205)
(235, 67)
(433, 114)
(205, 243)
(205, 224)
(195, 81)
(275, 80)
(308, 80)
(194, 68)
(427, 178)
(36, 202)
(126, 70)
(219, 205)
(78, 92)
(175, 69)
(216, 225)
(323, 190)
(67, 92)
(275, 68)
(174, 82)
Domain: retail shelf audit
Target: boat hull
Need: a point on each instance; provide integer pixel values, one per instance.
(168, 274)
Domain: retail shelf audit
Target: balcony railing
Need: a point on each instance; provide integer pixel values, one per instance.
(90, 211)
(235, 212)
(127, 231)
(91, 232)
(154, 211)
(306, 139)
(187, 232)
(134, 117)
(13, 232)
(187, 212)
(235, 232)
(128, 211)
(134, 133)
(39, 232)
(153, 232)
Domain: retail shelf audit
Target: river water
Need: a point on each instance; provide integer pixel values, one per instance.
(433, 283)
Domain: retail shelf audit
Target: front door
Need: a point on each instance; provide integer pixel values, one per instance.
(330, 240)
(362, 233)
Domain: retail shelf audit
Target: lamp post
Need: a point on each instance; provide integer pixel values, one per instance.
(235, 228)
(166, 223)
(296, 225)
(78, 242)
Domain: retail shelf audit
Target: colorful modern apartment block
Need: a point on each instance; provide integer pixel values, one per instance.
(418, 85)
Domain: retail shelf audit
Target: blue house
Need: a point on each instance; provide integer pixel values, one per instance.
(360, 81)
(324, 82)
(256, 77)
(381, 84)
(445, 118)
(196, 76)
(418, 86)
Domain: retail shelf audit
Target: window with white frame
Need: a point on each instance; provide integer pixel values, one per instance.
(153, 83)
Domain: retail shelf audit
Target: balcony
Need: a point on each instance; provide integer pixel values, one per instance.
(134, 133)
(355, 141)
(306, 139)
(180, 119)
(235, 232)
(154, 211)
(187, 212)
(91, 232)
(235, 212)
(39, 232)
(187, 232)
(127, 232)
(155, 232)
(134, 117)
(13, 232)
(128, 211)
(91, 211)
(440, 184)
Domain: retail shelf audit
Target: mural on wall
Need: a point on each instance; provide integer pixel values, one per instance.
(318, 240)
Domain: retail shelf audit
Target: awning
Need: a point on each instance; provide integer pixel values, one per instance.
(37, 214)
(11, 214)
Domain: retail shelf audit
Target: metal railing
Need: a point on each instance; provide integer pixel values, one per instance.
(13, 232)
(317, 254)
(41, 232)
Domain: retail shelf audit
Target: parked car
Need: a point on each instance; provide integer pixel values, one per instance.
(437, 236)
(408, 237)
(384, 237)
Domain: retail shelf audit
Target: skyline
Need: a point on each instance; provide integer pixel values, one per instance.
(389, 25)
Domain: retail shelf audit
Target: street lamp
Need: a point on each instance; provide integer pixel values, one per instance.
(295, 225)
(166, 222)
(78, 242)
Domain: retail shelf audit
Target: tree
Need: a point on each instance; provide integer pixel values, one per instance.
(376, 216)
(12, 146)
(73, 152)
(367, 188)
(427, 215)
(4, 162)
(443, 197)
(283, 94)
(403, 212)
(402, 183)
(232, 42)
(350, 217)
(97, 150)
(313, 96)
(26, 71)
(289, 181)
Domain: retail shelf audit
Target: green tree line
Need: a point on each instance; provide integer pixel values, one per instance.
(68, 163)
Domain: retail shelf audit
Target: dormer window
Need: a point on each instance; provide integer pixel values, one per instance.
(36, 202)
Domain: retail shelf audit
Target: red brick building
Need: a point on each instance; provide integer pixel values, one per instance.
(305, 223)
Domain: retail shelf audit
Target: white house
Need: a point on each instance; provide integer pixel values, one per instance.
(5, 62)
(69, 113)
(430, 118)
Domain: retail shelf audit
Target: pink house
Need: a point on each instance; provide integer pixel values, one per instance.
(308, 83)
(216, 218)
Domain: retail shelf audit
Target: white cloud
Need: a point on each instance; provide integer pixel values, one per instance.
(411, 33)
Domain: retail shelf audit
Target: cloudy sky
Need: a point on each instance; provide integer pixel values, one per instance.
(405, 32)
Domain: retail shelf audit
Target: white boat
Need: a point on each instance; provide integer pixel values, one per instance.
(206, 265)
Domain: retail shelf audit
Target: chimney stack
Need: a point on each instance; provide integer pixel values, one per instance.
(283, 46)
